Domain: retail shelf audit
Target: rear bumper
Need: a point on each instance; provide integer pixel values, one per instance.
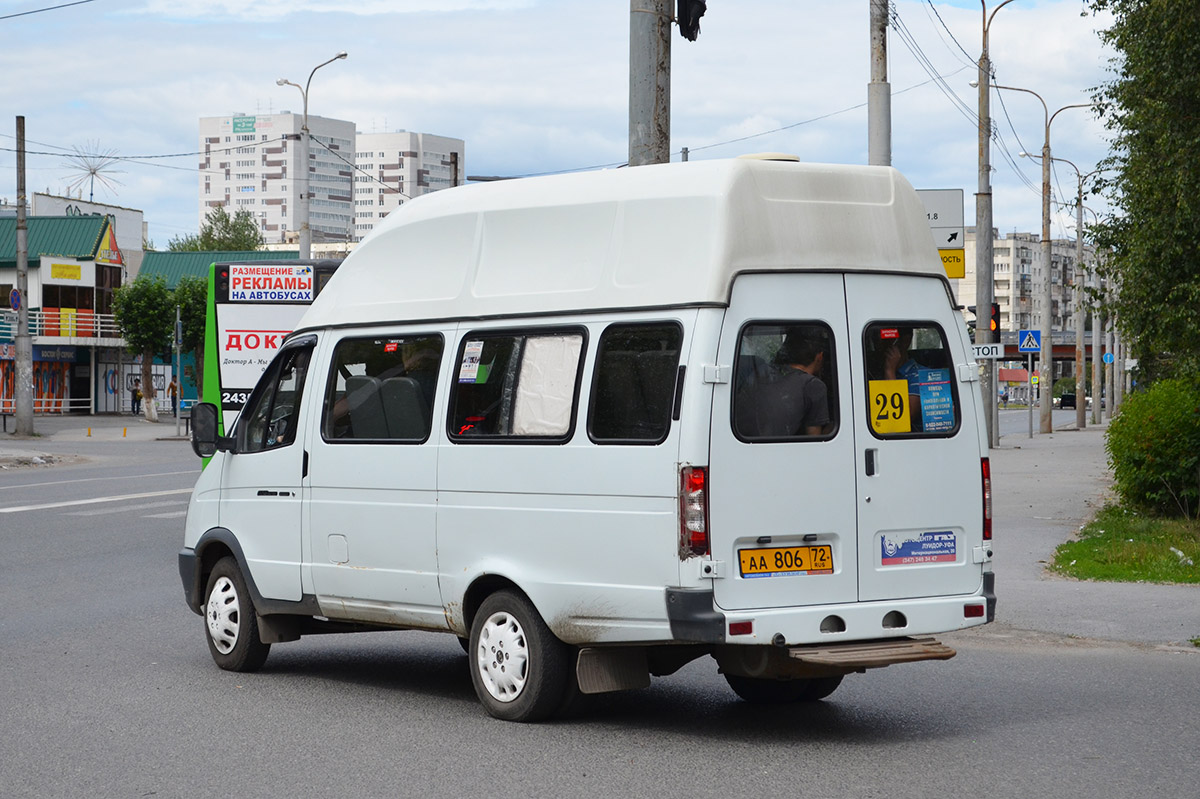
(864, 621)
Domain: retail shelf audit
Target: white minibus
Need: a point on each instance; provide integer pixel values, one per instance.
(601, 425)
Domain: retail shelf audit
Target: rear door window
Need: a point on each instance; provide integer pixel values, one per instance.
(785, 382)
(910, 380)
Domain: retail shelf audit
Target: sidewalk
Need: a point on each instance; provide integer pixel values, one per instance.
(1044, 489)
(55, 435)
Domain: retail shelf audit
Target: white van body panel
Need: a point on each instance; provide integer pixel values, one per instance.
(585, 529)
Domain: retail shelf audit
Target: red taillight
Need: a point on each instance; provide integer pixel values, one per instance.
(973, 611)
(693, 511)
(986, 467)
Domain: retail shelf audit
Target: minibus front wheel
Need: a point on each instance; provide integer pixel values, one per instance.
(518, 667)
(230, 621)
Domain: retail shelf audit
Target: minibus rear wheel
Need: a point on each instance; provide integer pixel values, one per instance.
(230, 621)
(763, 691)
(518, 667)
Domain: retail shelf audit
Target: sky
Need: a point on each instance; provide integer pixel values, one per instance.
(539, 86)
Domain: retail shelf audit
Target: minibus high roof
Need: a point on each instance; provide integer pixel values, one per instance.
(650, 236)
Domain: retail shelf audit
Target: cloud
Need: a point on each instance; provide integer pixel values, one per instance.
(542, 86)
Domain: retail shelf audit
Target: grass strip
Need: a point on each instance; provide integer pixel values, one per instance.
(1122, 546)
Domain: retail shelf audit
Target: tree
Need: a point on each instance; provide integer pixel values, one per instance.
(1152, 108)
(191, 295)
(145, 311)
(221, 231)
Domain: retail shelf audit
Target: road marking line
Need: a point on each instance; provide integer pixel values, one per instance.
(48, 505)
(177, 514)
(169, 503)
(93, 479)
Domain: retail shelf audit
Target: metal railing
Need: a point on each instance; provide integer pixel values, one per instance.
(62, 324)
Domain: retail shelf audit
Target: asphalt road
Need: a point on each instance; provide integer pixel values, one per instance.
(110, 690)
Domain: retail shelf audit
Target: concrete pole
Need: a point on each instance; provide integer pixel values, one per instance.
(1109, 370)
(649, 82)
(1097, 333)
(1119, 364)
(1077, 310)
(23, 341)
(1046, 359)
(879, 91)
(305, 189)
(984, 288)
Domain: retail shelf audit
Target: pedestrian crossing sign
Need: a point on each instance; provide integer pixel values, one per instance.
(1029, 341)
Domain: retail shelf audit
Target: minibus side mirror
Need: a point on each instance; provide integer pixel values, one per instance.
(205, 441)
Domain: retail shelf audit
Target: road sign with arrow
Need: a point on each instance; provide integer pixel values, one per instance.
(944, 210)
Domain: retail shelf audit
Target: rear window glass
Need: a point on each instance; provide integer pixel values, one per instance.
(382, 389)
(785, 382)
(910, 380)
(636, 373)
(518, 385)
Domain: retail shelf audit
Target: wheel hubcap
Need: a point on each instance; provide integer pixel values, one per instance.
(223, 616)
(502, 657)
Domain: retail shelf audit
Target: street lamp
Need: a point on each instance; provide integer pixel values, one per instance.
(1077, 294)
(1045, 420)
(305, 194)
(985, 292)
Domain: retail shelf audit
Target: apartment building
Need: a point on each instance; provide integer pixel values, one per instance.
(1017, 268)
(252, 163)
(392, 168)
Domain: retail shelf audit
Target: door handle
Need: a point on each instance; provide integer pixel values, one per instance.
(870, 462)
(265, 493)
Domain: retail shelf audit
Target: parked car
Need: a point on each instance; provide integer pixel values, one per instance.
(1066, 401)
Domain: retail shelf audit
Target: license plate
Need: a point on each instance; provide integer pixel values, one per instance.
(786, 561)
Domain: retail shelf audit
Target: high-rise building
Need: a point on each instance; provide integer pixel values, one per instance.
(251, 162)
(1017, 276)
(392, 168)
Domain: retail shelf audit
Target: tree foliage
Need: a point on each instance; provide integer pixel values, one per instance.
(1152, 109)
(145, 312)
(1154, 449)
(221, 232)
(191, 295)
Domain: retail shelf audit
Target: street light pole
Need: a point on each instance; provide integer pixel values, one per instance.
(306, 185)
(985, 292)
(1077, 295)
(1046, 357)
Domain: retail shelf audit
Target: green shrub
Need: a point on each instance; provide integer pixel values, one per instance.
(1154, 449)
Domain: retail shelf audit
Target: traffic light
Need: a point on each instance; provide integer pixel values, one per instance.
(995, 317)
(687, 14)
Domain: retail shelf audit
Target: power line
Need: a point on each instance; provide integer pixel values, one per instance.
(48, 8)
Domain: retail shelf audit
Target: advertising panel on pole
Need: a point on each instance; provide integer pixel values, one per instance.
(944, 210)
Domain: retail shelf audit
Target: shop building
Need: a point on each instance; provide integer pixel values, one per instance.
(74, 266)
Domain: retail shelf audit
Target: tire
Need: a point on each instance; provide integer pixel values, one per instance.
(519, 669)
(759, 691)
(230, 622)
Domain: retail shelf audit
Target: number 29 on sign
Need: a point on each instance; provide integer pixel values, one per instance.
(889, 406)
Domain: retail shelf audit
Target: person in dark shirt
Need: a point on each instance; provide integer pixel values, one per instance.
(796, 403)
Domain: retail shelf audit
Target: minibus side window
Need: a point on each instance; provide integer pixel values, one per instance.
(511, 386)
(785, 382)
(634, 384)
(272, 420)
(381, 388)
(911, 390)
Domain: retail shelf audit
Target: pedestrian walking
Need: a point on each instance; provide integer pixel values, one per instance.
(173, 392)
(135, 393)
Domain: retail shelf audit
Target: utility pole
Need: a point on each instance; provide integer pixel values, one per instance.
(879, 91)
(649, 82)
(1097, 333)
(24, 342)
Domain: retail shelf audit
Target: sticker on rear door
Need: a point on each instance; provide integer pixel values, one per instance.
(906, 549)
